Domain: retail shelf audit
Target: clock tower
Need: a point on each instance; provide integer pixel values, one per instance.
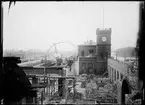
(103, 48)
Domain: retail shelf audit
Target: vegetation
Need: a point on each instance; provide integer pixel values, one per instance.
(77, 95)
(59, 61)
(83, 85)
(69, 62)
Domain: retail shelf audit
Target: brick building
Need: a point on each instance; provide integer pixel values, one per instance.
(92, 58)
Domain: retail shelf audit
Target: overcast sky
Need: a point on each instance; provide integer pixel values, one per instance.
(37, 25)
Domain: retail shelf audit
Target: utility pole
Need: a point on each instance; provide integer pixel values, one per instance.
(42, 98)
(1, 51)
(103, 17)
(74, 82)
(44, 79)
(66, 92)
(49, 86)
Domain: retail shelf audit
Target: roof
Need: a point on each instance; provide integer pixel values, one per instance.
(51, 67)
(38, 86)
(119, 66)
(87, 45)
(11, 59)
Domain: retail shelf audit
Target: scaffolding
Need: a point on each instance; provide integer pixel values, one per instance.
(49, 86)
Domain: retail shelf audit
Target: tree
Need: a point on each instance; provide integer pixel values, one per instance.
(69, 62)
(59, 61)
(10, 3)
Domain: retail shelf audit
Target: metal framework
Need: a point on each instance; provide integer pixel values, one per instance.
(42, 81)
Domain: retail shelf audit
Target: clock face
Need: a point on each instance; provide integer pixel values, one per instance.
(104, 39)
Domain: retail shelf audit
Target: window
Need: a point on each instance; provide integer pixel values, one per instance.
(82, 53)
(117, 75)
(106, 55)
(101, 55)
(121, 76)
(83, 67)
(90, 65)
(91, 51)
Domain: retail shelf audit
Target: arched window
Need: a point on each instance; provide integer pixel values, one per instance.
(117, 75)
(106, 55)
(102, 55)
(83, 67)
(90, 68)
(112, 74)
(82, 53)
(109, 71)
(90, 65)
(121, 76)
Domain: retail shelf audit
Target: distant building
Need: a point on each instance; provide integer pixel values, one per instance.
(92, 58)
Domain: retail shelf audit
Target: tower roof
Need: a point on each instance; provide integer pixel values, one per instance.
(103, 31)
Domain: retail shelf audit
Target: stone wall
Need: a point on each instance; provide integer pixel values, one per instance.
(90, 65)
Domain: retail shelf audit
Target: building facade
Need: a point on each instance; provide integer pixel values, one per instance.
(124, 76)
(92, 58)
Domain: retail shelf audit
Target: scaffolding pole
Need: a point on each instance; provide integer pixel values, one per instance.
(74, 82)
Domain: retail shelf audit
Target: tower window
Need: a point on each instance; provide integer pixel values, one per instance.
(102, 55)
(106, 55)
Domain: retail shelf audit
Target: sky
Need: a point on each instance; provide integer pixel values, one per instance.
(38, 25)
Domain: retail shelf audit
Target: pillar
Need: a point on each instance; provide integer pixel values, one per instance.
(47, 86)
(66, 91)
(112, 75)
(61, 86)
(119, 90)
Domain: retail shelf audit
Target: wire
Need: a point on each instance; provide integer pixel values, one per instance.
(59, 43)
